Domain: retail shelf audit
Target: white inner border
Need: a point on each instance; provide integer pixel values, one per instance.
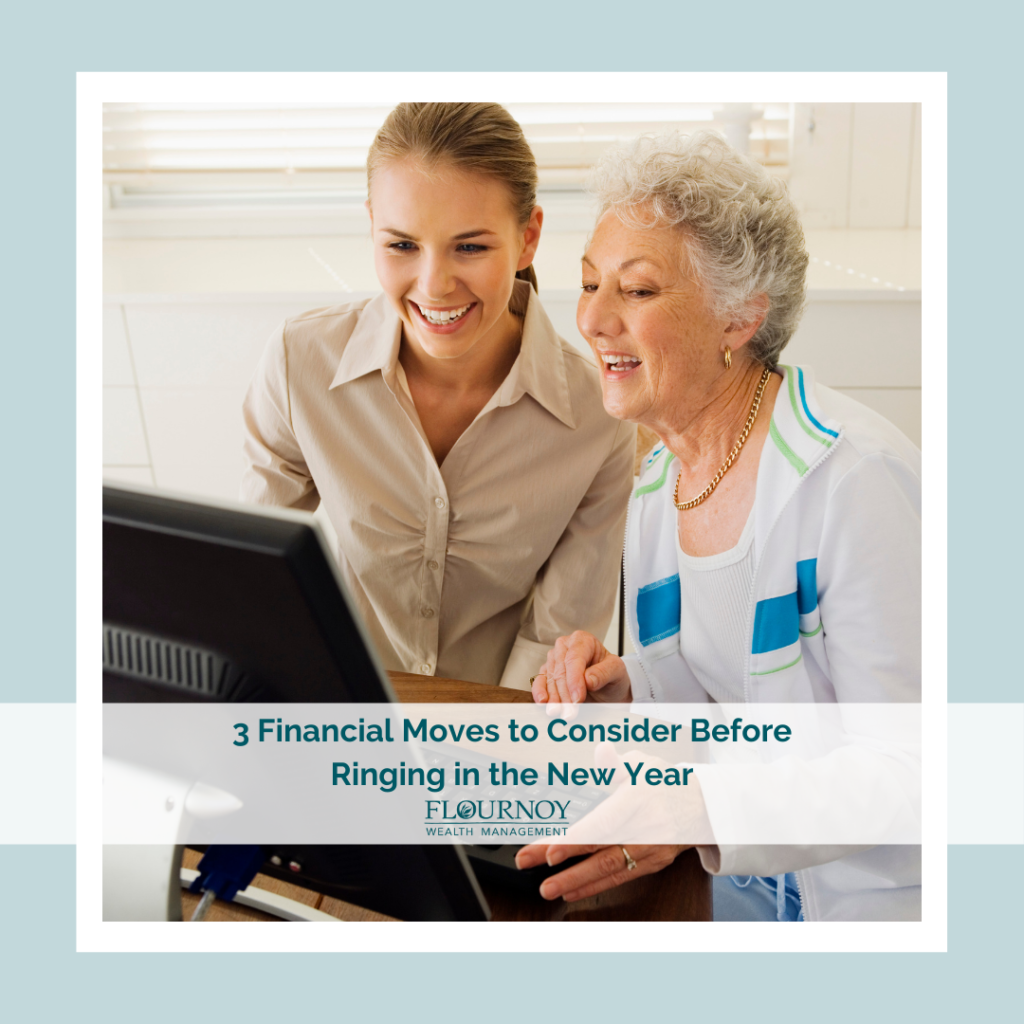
(95, 89)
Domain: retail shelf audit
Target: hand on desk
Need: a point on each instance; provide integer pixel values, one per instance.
(629, 811)
(605, 869)
(580, 667)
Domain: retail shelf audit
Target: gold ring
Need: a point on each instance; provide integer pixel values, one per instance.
(630, 863)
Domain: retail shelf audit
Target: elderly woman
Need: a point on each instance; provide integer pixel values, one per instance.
(773, 543)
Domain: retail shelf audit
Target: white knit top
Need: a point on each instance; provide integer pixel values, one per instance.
(714, 603)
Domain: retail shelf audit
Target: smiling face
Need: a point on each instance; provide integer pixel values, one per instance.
(657, 341)
(447, 246)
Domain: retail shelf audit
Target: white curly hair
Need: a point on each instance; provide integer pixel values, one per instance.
(742, 232)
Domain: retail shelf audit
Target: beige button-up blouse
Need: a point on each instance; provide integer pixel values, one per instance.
(471, 569)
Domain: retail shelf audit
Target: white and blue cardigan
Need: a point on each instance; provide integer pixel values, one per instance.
(834, 614)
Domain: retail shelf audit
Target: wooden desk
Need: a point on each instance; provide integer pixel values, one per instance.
(432, 690)
(682, 892)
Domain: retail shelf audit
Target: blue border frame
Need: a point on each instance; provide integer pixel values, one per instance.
(44, 978)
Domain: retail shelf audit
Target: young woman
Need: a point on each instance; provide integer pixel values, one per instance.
(460, 447)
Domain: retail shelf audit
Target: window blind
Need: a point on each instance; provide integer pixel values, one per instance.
(222, 155)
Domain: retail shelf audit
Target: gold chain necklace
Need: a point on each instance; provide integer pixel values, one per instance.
(709, 490)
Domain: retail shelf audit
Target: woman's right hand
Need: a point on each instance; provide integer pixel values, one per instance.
(580, 667)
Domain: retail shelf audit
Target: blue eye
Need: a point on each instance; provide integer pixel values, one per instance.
(471, 247)
(401, 246)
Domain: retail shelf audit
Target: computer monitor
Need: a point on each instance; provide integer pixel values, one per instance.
(209, 602)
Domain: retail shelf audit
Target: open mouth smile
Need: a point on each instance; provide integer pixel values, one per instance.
(443, 319)
(618, 365)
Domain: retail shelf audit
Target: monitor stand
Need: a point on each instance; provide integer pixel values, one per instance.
(262, 899)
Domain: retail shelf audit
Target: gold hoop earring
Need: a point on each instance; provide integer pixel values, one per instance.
(728, 357)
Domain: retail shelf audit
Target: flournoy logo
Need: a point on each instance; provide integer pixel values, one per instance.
(471, 811)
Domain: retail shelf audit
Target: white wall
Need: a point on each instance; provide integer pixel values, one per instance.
(856, 165)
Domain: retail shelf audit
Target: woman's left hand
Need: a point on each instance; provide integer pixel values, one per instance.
(579, 667)
(651, 812)
(606, 868)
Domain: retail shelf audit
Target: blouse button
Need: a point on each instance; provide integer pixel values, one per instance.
(427, 613)
(432, 565)
(425, 669)
(439, 502)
